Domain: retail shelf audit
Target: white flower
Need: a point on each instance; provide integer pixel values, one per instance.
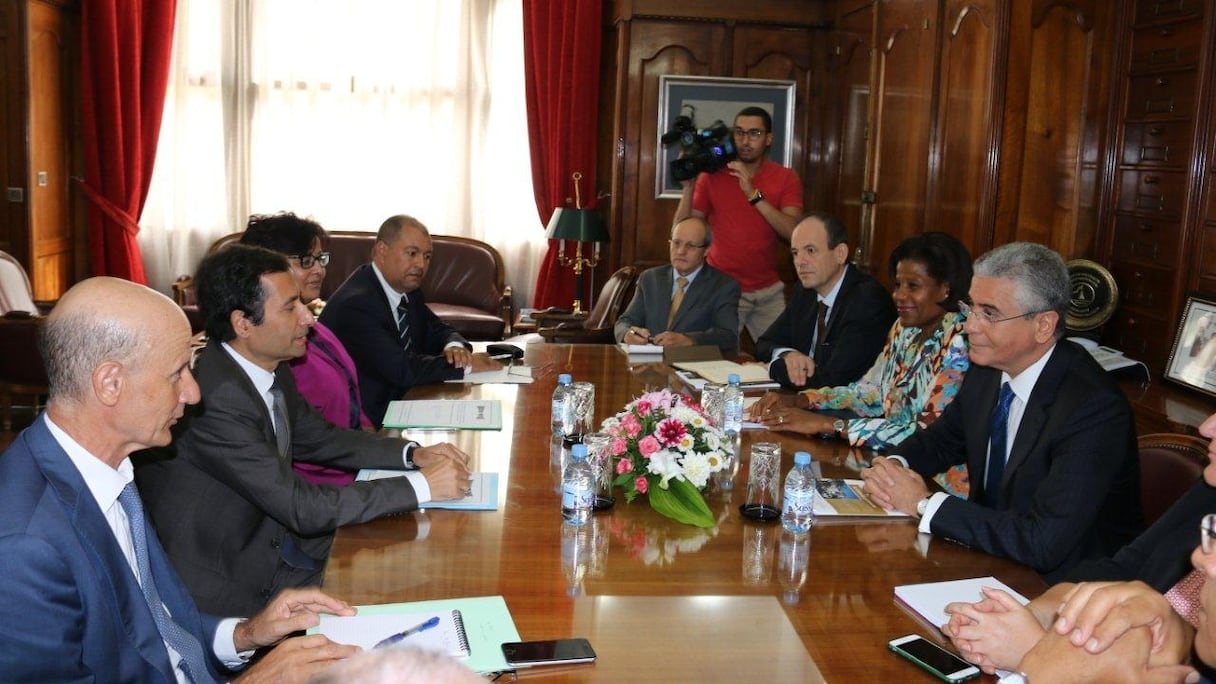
(664, 464)
(696, 469)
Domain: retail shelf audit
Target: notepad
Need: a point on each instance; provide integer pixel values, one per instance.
(719, 371)
(482, 494)
(929, 599)
(844, 498)
(445, 414)
(368, 630)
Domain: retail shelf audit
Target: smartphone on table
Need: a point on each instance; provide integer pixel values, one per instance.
(551, 652)
(933, 658)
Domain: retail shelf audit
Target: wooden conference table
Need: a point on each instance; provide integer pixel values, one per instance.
(659, 601)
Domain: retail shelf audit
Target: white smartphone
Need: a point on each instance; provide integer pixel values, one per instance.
(933, 658)
(552, 652)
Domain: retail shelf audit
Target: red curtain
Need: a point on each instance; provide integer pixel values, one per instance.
(126, 47)
(561, 68)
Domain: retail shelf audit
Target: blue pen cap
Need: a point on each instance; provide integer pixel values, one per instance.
(563, 379)
(579, 452)
(802, 458)
(733, 378)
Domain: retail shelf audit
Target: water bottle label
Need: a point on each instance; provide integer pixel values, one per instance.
(799, 503)
(577, 497)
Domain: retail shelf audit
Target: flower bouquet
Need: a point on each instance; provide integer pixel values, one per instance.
(664, 446)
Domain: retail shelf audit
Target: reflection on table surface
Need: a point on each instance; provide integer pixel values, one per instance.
(660, 601)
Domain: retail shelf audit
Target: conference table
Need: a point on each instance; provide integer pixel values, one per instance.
(659, 601)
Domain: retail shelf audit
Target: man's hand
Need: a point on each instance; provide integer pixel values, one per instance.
(458, 356)
(798, 366)
(482, 362)
(637, 336)
(1055, 659)
(890, 485)
(766, 404)
(740, 171)
(673, 339)
(443, 451)
(995, 632)
(291, 611)
(1096, 614)
(296, 660)
(447, 479)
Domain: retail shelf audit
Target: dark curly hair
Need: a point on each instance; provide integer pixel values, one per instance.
(945, 258)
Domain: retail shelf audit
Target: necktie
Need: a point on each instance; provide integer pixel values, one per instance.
(403, 323)
(193, 662)
(997, 451)
(282, 431)
(681, 284)
(1184, 597)
(821, 330)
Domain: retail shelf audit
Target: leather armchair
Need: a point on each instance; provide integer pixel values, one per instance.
(21, 369)
(596, 326)
(1169, 464)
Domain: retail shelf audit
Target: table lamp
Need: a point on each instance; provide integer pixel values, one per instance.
(579, 225)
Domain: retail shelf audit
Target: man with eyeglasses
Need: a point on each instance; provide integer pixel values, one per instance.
(686, 303)
(381, 316)
(753, 204)
(1047, 436)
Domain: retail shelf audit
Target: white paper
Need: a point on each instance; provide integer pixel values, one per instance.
(507, 375)
(445, 414)
(642, 349)
(482, 495)
(929, 600)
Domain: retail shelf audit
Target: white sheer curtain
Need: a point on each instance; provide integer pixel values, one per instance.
(348, 112)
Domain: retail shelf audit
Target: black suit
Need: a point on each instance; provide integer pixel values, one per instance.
(1071, 487)
(232, 514)
(1162, 555)
(858, 324)
(360, 315)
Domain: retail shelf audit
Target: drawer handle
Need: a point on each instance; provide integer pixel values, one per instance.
(1151, 180)
(1156, 130)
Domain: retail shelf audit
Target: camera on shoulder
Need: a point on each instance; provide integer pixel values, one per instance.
(708, 149)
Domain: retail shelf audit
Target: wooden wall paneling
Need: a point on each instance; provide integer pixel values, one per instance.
(965, 148)
(852, 72)
(14, 236)
(904, 86)
(1060, 146)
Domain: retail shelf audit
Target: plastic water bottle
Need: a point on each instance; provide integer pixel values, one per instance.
(578, 487)
(563, 409)
(733, 411)
(798, 499)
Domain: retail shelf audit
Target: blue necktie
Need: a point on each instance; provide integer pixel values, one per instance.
(996, 453)
(193, 663)
(403, 323)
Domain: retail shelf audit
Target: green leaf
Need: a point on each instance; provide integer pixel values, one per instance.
(681, 502)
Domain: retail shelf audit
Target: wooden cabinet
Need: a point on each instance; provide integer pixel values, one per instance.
(1157, 175)
(39, 63)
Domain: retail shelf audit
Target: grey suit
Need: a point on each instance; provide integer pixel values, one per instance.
(709, 313)
(237, 521)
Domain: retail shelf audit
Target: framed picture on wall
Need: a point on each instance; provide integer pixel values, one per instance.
(707, 100)
(1193, 357)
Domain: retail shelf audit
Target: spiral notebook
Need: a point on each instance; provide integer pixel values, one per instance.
(367, 630)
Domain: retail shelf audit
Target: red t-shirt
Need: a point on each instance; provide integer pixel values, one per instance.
(744, 243)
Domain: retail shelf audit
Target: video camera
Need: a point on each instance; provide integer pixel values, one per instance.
(708, 149)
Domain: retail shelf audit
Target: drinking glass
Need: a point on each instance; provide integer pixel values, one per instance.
(583, 395)
(600, 458)
(713, 400)
(763, 482)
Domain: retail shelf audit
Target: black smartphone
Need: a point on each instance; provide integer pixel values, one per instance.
(936, 660)
(551, 652)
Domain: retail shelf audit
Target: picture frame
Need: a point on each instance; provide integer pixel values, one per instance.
(1192, 360)
(711, 99)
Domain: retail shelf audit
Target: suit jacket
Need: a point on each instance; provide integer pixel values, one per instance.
(1162, 555)
(709, 313)
(70, 608)
(1071, 487)
(359, 314)
(238, 522)
(857, 330)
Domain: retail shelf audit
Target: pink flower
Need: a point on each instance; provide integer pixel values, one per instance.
(643, 407)
(641, 484)
(624, 465)
(631, 424)
(618, 446)
(648, 445)
(671, 432)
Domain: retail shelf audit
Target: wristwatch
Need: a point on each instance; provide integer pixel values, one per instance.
(409, 454)
(922, 507)
(756, 197)
(838, 426)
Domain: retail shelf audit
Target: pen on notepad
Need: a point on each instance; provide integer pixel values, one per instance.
(649, 340)
(412, 630)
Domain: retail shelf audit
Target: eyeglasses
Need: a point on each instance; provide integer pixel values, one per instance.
(307, 260)
(1207, 533)
(985, 318)
(749, 133)
(678, 245)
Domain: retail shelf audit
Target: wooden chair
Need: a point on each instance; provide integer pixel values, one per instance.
(21, 368)
(1169, 464)
(596, 326)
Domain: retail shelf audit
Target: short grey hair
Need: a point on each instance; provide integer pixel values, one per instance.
(1039, 275)
(709, 230)
(73, 345)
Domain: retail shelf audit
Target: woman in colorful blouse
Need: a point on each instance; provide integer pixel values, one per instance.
(920, 368)
(325, 375)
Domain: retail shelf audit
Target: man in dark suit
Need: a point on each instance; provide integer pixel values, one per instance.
(251, 525)
(1047, 436)
(88, 592)
(383, 321)
(686, 303)
(853, 309)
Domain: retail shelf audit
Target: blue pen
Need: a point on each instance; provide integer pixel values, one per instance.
(412, 630)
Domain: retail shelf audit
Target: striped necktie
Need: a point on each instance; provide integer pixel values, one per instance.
(681, 285)
(403, 323)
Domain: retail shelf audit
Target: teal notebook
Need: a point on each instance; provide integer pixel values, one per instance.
(485, 620)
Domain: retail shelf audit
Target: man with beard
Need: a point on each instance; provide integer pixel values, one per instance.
(753, 205)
